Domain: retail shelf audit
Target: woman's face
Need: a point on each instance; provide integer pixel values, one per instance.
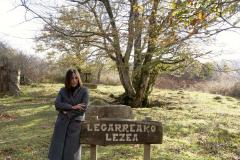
(74, 80)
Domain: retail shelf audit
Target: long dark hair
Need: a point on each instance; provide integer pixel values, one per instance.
(68, 78)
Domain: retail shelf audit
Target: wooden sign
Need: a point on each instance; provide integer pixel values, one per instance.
(121, 131)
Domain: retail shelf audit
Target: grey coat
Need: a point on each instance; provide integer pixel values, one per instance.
(65, 144)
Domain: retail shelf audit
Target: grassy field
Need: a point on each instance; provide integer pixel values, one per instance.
(197, 126)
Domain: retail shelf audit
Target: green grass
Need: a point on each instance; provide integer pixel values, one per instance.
(197, 126)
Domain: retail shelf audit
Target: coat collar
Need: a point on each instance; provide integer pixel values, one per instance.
(76, 91)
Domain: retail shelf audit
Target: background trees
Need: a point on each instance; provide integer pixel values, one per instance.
(33, 68)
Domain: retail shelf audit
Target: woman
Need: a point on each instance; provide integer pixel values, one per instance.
(71, 103)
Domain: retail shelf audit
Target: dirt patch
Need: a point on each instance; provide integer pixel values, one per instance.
(5, 116)
(7, 152)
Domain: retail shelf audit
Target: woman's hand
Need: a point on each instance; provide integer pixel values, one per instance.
(80, 106)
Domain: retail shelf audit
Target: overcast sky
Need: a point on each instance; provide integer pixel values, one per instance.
(19, 34)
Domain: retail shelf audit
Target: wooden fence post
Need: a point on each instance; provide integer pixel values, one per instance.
(93, 147)
(147, 151)
(93, 152)
(147, 147)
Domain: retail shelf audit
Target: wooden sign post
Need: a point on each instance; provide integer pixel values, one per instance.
(93, 152)
(109, 131)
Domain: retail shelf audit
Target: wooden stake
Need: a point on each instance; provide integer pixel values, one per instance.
(147, 151)
(93, 152)
(147, 147)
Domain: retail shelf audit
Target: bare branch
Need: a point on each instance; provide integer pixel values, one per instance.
(79, 2)
(130, 33)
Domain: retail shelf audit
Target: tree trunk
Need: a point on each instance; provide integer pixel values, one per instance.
(99, 72)
(136, 89)
(143, 82)
(125, 79)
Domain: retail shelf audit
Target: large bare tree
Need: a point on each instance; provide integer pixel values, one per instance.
(140, 36)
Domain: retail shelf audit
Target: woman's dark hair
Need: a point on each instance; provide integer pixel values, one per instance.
(68, 78)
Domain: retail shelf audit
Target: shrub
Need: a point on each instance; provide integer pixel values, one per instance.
(235, 90)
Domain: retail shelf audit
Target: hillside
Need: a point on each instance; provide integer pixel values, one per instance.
(197, 126)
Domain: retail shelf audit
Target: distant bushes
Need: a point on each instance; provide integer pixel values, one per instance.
(110, 78)
(226, 88)
(225, 85)
(54, 76)
(173, 83)
(235, 90)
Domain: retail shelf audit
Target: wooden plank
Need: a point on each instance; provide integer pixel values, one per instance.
(112, 131)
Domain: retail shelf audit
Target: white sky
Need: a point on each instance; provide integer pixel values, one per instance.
(20, 34)
(14, 30)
